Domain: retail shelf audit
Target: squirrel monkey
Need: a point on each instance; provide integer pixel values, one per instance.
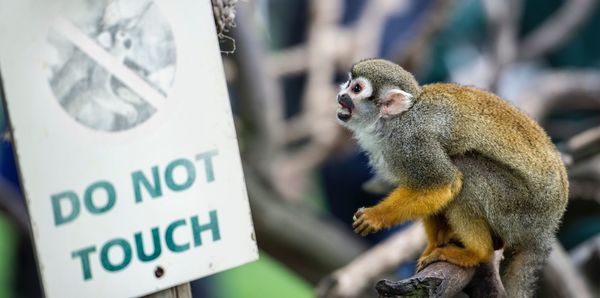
(472, 166)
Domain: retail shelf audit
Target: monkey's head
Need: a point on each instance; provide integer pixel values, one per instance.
(376, 89)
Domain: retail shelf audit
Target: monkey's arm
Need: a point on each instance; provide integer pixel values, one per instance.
(430, 182)
(378, 185)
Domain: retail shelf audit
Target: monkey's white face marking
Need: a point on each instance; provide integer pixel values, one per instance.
(351, 94)
(346, 84)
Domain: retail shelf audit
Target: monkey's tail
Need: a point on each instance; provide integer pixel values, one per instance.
(525, 266)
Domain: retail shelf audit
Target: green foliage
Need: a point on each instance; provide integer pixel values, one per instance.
(265, 278)
(8, 251)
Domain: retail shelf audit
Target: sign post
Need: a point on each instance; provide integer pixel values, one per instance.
(125, 144)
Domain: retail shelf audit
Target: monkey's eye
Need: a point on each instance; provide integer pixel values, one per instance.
(357, 88)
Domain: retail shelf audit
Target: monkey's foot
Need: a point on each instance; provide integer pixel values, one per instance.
(455, 255)
(365, 222)
(428, 250)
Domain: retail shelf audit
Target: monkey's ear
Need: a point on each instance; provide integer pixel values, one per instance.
(395, 101)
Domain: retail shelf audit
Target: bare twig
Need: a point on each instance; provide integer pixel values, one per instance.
(224, 13)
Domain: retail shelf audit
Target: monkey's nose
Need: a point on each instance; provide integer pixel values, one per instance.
(343, 96)
(345, 101)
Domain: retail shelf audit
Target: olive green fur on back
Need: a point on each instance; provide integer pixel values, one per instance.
(485, 123)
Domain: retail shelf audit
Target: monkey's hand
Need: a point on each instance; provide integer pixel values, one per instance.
(366, 222)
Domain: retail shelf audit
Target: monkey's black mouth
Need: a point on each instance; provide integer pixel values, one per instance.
(345, 109)
(344, 114)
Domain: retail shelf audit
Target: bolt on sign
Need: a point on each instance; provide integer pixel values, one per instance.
(125, 143)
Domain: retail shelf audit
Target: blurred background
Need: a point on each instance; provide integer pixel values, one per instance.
(305, 174)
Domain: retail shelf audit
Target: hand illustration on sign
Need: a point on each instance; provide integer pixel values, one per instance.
(111, 67)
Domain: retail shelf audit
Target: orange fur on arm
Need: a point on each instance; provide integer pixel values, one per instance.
(408, 204)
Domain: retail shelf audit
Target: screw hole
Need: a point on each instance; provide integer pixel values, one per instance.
(159, 272)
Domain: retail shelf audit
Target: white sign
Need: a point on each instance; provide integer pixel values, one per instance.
(125, 143)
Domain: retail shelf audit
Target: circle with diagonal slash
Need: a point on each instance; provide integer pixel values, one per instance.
(111, 64)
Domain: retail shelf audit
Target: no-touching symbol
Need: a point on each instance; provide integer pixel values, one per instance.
(112, 66)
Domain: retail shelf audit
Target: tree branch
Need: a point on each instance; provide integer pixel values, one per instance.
(443, 279)
(584, 145)
(553, 86)
(557, 29)
(503, 22)
(289, 61)
(260, 97)
(309, 244)
(437, 280)
(446, 280)
(318, 101)
(354, 278)
(586, 258)
(412, 57)
(562, 277)
(368, 30)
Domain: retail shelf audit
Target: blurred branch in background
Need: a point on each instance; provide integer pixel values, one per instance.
(436, 17)
(354, 279)
(562, 278)
(262, 104)
(557, 29)
(503, 19)
(298, 237)
(586, 258)
(310, 245)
